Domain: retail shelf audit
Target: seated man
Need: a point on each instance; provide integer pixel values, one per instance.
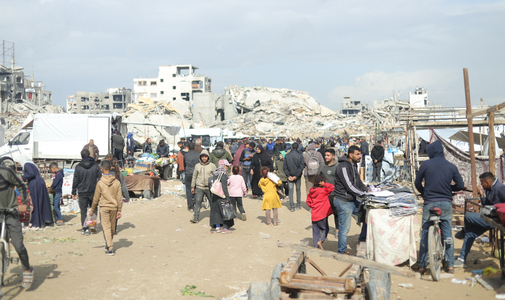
(474, 224)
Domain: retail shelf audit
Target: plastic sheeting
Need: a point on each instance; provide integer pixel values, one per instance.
(57, 129)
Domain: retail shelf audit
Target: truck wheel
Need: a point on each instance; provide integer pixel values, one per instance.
(258, 291)
(7, 162)
(167, 172)
(275, 289)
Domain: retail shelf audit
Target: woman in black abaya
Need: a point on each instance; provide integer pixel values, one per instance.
(259, 160)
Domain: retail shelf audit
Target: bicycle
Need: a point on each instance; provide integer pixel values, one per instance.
(436, 246)
(5, 252)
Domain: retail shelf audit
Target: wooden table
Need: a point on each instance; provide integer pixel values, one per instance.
(501, 228)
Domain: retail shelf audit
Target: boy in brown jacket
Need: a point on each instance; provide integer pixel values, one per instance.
(108, 196)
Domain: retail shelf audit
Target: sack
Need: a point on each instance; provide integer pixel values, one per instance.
(273, 177)
(90, 221)
(227, 210)
(217, 187)
(312, 165)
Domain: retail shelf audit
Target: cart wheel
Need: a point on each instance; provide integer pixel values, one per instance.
(379, 286)
(258, 291)
(167, 172)
(275, 289)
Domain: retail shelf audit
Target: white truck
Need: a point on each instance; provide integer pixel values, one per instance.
(60, 137)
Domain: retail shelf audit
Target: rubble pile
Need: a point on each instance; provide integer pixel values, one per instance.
(27, 107)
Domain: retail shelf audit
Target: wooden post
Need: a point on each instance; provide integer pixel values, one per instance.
(492, 145)
(480, 127)
(470, 132)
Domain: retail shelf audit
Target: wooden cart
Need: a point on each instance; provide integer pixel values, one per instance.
(362, 279)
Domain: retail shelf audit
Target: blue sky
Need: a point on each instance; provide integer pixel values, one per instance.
(362, 49)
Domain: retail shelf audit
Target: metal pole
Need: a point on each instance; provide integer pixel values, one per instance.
(470, 132)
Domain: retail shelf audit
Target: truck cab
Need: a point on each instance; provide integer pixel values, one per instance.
(19, 149)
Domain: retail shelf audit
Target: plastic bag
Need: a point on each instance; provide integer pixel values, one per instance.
(90, 221)
(217, 187)
(75, 206)
(273, 177)
(227, 210)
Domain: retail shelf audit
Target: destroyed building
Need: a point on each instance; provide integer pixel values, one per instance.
(113, 100)
(351, 107)
(16, 89)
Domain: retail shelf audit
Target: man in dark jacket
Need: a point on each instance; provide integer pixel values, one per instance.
(348, 186)
(86, 175)
(147, 147)
(438, 174)
(377, 156)
(219, 153)
(163, 150)
(475, 226)
(293, 168)
(118, 145)
(191, 158)
(422, 146)
(328, 169)
(364, 151)
(245, 159)
(130, 144)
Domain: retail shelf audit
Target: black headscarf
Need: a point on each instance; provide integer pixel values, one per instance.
(264, 157)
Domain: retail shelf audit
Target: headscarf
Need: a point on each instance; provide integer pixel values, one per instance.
(263, 155)
(130, 134)
(283, 154)
(222, 163)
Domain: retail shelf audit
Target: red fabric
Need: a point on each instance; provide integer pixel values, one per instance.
(317, 199)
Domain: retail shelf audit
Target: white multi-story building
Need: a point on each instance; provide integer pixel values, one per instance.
(419, 98)
(174, 83)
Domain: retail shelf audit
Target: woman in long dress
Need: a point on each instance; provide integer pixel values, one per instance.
(216, 216)
(41, 215)
(259, 160)
(271, 201)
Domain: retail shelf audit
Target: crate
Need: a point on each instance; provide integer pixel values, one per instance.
(144, 166)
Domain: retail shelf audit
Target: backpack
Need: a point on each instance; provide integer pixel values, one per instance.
(312, 165)
(233, 148)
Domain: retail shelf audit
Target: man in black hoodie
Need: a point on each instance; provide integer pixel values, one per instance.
(293, 168)
(86, 175)
(438, 174)
(377, 156)
(191, 158)
(348, 186)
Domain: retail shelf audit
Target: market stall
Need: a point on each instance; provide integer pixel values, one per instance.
(393, 227)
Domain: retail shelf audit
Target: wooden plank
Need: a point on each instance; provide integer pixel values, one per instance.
(310, 295)
(492, 109)
(447, 124)
(350, 284)
(345, 270)
(292, 266)
(310, 261)
(470, 130)
(319, 278)
(326, 287)
(492, 145)
(352, 259)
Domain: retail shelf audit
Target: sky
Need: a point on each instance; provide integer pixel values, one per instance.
(367, 50)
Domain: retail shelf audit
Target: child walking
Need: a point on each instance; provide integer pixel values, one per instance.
(108, 196)
(271, 201)
(237, 190)
(317, 200)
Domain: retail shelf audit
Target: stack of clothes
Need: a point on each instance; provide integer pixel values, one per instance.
(400, 201)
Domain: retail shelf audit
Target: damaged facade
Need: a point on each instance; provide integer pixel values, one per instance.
(351, 107)
(113, 100)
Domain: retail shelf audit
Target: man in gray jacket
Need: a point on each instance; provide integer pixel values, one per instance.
(328, 169)
(293, 168)
(200, 182)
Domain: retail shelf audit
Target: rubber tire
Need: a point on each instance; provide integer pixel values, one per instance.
(434, 247)
(258, 291)
(167, 172)
(7, 160)
(379, 286)
(275, 289)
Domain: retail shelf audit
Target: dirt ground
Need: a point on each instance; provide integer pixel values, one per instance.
(159, 252)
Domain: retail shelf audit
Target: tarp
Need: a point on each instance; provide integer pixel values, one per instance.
(462, 160)
(57, 128)
(464, 137)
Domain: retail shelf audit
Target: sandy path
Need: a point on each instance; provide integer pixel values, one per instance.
(159, 252)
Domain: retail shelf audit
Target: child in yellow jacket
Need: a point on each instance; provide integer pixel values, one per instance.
(271, 199)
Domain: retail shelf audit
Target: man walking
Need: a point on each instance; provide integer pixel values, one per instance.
(191, 158)
(328, 169)
(348, 186)
(200, 182)
(130, 144)
(438, 174)
(246, 158)
(364, 152)
(118, 145)
(86, 175)
(312, 159)
(293, 168)
(377, 156)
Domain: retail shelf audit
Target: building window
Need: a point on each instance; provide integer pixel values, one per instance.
(161, 80)
(173, 75)
(144, 83)
(154, 95)
(174, 87)
(174, 98)
(153, 82)
(162, 92)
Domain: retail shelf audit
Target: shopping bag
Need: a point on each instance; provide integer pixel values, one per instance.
(273, 177)
(90, 221)
(227, 210)
(75, 206)
(217, 187)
